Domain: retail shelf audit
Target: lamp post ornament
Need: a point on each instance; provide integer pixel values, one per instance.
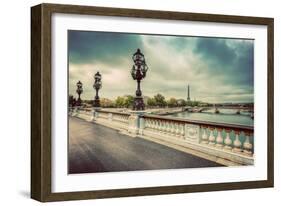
(97, 85)
(138, 73)
(79, 91)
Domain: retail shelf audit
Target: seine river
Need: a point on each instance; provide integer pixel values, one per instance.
(225, 116)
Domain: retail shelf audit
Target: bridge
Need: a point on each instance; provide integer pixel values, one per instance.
(96, 148)
(211, 109)
(221, 144)
(218, 109)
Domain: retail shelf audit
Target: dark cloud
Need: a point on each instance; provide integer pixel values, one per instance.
(232, 57)
(215, 50)
(88, 47)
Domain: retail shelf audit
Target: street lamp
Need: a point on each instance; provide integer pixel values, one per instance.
(138, 73)
(79, 91)
(97, 86)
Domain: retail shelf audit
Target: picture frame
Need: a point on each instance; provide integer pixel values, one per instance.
(41, 101)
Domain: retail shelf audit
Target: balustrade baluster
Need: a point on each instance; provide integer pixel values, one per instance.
(247, 146)
(182, 130)
(172, 128)
(178, 129)
(152, 124)
(162, 129)
(146, 124)
(205, 136)
(162, 126)
(227, 140)
(169, 130)
(166, 126)
(175, 129)
(237, 143)
(212, 138)
(219, 140)
(157, 123)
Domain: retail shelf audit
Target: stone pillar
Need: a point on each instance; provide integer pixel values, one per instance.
(110, 117)
(136, 125)
(95, 113)
(133, 124)
(191, 133)
(76, 112)
(142, 125)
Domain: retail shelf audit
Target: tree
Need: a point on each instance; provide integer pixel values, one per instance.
(172, 102)
(151, 102)
(181, 102)
(120, 102)
(104, 102)
(128, 101)
(160, 100)
(89, 102)
(193, 103)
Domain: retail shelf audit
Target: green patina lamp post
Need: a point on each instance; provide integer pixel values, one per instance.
(97, 86)
(138, 73)
(79, 91)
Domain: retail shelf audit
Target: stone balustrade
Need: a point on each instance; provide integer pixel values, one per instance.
(228, 143)
(113, 119)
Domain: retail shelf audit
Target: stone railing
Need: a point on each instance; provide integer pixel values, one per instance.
(227, 144)
(112, 119)
(226, 141)
(83, 113)
(116, 120)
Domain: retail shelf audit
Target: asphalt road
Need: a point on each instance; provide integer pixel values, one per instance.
(95, 148)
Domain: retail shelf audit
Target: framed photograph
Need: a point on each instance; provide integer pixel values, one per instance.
(128, 102)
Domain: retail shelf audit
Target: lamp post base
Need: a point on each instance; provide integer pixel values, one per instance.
(78, 103)
(96, 103)
(138, 104)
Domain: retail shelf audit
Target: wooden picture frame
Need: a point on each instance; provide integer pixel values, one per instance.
(41, 97)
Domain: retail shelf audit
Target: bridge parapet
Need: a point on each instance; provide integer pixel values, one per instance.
(114, 119)
(228, 144)
(227, 141)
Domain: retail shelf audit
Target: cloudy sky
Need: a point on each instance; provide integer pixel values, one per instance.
(217, 69)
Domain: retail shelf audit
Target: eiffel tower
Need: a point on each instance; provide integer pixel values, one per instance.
(188, 93)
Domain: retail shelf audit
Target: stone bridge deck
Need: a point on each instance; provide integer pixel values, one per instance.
(95, 148)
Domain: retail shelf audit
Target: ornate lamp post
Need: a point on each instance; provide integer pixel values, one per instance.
(138, 73)
(97, 86)
(79, 91)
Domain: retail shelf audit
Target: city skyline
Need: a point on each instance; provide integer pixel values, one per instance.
(218, 69)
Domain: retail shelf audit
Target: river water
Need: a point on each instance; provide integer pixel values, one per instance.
(225, 116)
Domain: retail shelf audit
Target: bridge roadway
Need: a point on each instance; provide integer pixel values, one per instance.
(95, 148)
